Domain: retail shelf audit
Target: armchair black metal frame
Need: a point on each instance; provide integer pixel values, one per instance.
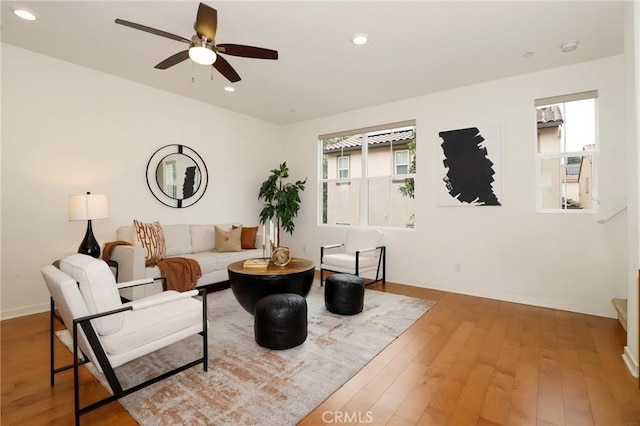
(382, 262)
(101, 356)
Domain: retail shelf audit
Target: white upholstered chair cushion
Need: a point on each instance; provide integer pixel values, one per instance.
(69, 303)
(345, 262)
(98, 288)
(358, 239)
(146, 330)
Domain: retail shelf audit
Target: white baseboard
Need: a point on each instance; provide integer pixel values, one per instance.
(25, 310)
(632, 364)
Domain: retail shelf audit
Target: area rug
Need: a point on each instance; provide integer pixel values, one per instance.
(250, 385)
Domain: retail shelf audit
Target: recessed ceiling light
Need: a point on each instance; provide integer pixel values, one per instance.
(23, 13)
(229, 89)
(360, 39)
(569, 46)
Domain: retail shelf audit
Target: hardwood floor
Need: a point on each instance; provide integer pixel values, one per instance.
(468, 361)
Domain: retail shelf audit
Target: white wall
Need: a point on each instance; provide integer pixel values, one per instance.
(67, 130)
(632, 69)
(504, 252)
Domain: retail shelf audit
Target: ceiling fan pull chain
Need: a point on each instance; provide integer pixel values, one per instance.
(211, 73)
(193, 67)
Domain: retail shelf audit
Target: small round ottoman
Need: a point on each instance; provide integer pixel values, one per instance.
(280, 321)
(344, 294)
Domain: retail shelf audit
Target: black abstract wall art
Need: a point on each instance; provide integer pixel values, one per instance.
(471, 160)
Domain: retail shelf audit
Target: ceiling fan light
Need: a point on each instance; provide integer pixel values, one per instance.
(202, 55)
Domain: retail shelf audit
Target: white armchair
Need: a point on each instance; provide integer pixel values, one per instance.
(362, 251)
(110, 333)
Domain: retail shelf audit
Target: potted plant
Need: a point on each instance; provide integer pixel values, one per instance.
(281, 200)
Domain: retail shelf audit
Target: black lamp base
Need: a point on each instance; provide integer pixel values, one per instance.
(89, 245)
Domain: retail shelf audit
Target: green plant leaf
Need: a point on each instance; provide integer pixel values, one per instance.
(281, 200)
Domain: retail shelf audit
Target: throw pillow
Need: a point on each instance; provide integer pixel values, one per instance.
(248, 236)
(228, 240)
(151, 237)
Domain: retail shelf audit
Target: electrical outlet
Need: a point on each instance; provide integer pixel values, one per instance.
(458, 268)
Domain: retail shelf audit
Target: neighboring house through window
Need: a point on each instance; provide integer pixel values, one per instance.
(343, 167)
(368, 176)
(401, 161)
(566, 153)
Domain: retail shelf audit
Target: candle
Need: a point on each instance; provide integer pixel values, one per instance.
(271, 232)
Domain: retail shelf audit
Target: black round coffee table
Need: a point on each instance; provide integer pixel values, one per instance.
(252, 284)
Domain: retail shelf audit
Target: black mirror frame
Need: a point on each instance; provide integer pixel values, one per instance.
(152, 182)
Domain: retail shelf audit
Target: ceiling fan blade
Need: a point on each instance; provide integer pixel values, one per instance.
(247, 51)
(226, 69)
(173, 60)
(151, 30)
(206, 22)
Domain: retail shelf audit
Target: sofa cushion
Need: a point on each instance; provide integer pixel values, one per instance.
(151, 237)
(203, 238)
(125, 233)
(228, 240)
(177, 239)
(223, 260)
(248, 236)
(206, 260)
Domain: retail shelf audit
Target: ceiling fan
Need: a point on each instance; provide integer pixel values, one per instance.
(202, 47)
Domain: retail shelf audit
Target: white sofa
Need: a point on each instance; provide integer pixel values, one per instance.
(190, 241)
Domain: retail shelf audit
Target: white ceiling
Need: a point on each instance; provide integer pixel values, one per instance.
(415, 47)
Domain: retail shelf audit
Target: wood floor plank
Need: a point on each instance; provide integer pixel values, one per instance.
(417, 401)
(497, 401)
(394, 396)
(469, 405)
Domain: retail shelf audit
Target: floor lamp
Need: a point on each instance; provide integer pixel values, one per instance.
(88, 207)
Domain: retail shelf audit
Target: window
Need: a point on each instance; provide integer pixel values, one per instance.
(566, 153)
(343, 167)
(402, 162)
(170, 179)
(367, 176)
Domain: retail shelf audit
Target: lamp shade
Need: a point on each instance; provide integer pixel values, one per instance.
(88, 206)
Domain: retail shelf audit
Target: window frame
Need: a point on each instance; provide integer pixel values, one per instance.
(396, 164)
(362, 182)
(339, 169)
(585, 153)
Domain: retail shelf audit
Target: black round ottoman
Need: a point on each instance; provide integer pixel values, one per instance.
(344, 294)
(280, 321)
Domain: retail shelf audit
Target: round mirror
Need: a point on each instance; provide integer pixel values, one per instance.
(177, 176)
